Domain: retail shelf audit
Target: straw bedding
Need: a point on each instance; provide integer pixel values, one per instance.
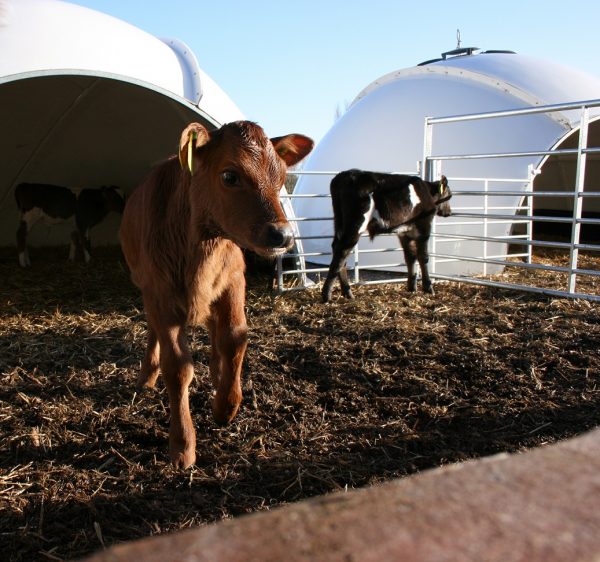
(335, 397)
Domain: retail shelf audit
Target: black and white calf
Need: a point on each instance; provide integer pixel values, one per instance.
(52, 203)
(92, 207)
(384, 203)
(55, 204)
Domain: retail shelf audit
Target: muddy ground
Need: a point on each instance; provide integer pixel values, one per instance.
(336, 397)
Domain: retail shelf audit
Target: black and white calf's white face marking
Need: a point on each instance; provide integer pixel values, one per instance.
(443, 205)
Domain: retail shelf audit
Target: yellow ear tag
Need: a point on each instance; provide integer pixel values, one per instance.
(191, 143)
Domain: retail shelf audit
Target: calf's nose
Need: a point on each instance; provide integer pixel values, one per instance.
(279, 235)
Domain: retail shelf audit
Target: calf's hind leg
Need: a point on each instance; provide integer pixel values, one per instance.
(337, 268)
(151, 362)
(24, 260)
(229, 336)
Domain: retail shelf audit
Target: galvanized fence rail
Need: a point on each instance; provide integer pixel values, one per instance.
(520, 246)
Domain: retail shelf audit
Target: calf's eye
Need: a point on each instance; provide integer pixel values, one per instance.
(230, 179)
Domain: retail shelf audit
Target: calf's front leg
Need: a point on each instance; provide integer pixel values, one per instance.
(423, 257)
(410, 257)
(229, 337)
(178, 371)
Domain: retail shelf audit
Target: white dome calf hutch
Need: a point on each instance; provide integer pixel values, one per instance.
(88, 100)
(490, 162)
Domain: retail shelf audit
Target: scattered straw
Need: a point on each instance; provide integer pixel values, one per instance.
(335, 397)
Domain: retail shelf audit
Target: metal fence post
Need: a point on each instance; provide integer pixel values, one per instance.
(577, 197)
(435, 172)
(279, 274)
(531, 173)
(427, 148)
(486, 187)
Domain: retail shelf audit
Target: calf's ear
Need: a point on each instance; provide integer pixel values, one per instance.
(292, 148)
(443, 184)
(192, 137)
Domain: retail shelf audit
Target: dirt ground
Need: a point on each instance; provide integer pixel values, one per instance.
(336, 397)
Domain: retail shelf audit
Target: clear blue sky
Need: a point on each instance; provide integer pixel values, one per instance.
(289, 65)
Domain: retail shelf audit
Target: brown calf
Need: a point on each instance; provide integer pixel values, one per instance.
(181, 235)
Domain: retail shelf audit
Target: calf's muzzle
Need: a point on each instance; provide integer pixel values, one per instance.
(278, 236)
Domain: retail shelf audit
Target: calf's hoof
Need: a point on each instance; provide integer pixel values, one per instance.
(223, 412)
(146, 380)
(182, 458)
(182, 445)
(428, 289)
(144, 385)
